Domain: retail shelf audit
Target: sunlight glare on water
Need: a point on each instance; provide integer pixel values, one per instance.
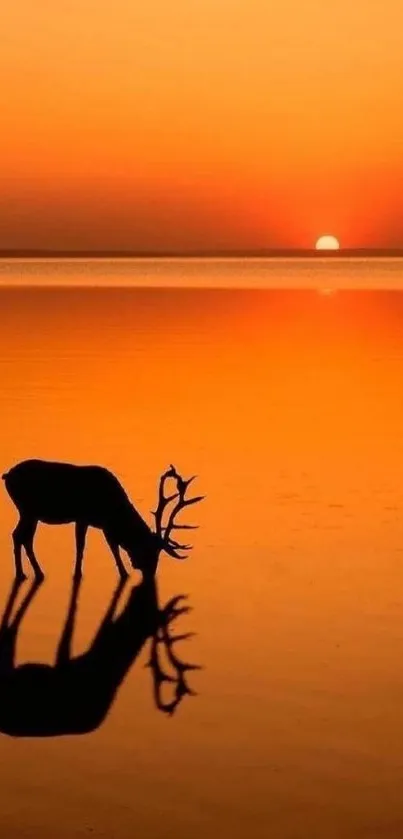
(322, 271)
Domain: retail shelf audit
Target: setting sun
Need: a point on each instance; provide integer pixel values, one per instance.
(327, 243)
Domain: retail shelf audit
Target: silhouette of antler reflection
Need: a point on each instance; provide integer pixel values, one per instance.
(75, 695)
(179, 668)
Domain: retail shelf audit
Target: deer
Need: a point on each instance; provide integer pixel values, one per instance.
(92, 496)
(76, 693)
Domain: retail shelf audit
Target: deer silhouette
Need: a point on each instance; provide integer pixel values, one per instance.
(91, 496)
(75, 695)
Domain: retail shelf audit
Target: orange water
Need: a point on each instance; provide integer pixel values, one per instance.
(289, 407)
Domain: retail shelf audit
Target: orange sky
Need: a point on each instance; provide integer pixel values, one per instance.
(201, 123)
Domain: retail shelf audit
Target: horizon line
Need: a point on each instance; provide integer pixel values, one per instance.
(255, 253)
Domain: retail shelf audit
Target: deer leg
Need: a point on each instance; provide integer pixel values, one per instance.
(116, 553)
(8, 633)
(9, 629)
(28, 542)
(9, 606)
(81, 532)
(18, 539)
(25, 603)
(110, 612)
(64, 649)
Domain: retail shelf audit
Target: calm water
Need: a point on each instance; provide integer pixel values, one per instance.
(289, 406)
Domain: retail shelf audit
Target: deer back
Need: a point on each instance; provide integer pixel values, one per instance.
(62, 492)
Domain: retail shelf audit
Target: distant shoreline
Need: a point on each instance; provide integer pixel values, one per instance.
(362, 253)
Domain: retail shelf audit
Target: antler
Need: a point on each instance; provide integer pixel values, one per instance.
(180, 668)
(164, 532)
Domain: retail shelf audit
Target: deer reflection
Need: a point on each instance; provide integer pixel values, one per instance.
(74, 695)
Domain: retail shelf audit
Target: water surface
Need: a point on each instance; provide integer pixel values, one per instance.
(289, 406)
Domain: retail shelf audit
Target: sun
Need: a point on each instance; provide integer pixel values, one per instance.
(327, 243)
